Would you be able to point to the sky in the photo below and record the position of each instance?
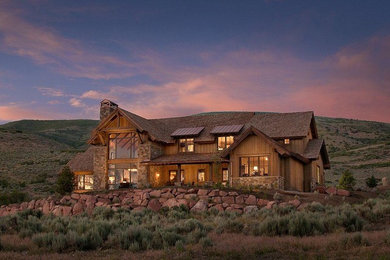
(59, 59)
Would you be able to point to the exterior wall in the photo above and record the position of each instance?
(100, 167)
(199, 148)
(316, 163)
(296, 173)
(146, 151)
(255, 146)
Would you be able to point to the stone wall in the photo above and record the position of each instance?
(154, 199)
(259, 181)
(99, 168)
(147, 151)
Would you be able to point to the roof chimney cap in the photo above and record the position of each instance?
(106, 108)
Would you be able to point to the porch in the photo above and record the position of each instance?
(187, 169)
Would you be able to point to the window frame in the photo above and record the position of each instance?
(187, 142)
(264, 167)
(318, 174)
(225, 138)
(175, 171)
(204, 175)
(133, 140)
(223, 179)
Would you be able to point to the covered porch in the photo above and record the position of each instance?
(188, 169)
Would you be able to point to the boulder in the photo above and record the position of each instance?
(232, 193)
(167, 195)
(166, 190)
(145, 196)
(251, 200)
(200, 206)
(78, 208)
(249, 209)
(228, 199)
(31, 204)
(342, 192)
(191, 203)
(66, 210)
(75, 196)
(181, 190)
(331, 190)
(46, 207)
(214, 193)
(385, 181)
(23, 206)
(154, 205)
(217, 207)
(190, 196)
(217, 200)
(262, 203)
(57, 211)
(295, 203)
(240, 199)
(202, 192)
(270, 204)
(222, 193)
(170, 203)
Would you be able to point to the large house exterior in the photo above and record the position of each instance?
(276, 150)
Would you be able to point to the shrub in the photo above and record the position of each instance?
(355, 240)
(13, 197)
(387, 238)
(371, 182)
(347, 181)
(65, 181)
(206, 242)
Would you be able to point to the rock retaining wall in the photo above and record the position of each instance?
(153, 199)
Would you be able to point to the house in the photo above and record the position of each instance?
(279, 150)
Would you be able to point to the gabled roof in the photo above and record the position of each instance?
(82, 162)
(314, 148)
(274, 125)
(278, 147)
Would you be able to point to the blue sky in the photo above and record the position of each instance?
(58, 59)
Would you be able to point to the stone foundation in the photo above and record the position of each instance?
(259, 181)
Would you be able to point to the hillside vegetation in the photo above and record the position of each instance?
(33, 151)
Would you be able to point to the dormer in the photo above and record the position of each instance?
(186, 138)
(225, 135)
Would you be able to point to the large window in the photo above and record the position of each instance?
(254, 166)
(318, 171)
(224, 142)
(84, 182)
(123, 146)
(186, 145)
(201, 175)
(172, 176)
(225, 175)
(122, 175)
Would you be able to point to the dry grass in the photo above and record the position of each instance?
(237, 246)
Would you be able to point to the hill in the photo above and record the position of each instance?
(33, 151)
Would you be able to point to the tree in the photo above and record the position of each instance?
(65, 181)
(372, 182)
(347, 181)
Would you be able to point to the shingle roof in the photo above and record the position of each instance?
(184, 158)
(313, 148)
(275, 125)
(82, 162)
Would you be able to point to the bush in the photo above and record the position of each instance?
(387, 238)
(347, 181)
(65, 181)
(206, 242)
(13, 197)
(371, 182)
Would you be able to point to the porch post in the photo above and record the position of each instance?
(210, 172)
(178, 175)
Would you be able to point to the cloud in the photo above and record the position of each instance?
(51, 92)
(46, 46)
(75, 102)
(351, 83)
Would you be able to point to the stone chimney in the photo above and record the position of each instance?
(106, 108)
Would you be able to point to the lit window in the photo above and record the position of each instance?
(201, 175)
(318, 170)
(254, 166)
(123, 146)
(225, 175)
(286, 141)
(122, 175)
(172, 176)
(186, 145)
(224, 142)
(84, 182)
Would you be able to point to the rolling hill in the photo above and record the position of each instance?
(33, 151)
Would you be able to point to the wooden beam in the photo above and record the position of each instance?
(101, 139)
(210, 172)
(120, 130)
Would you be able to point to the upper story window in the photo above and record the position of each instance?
(286, 141)
(254, 166)
(224, 142)
(123, 146)
(186, 145)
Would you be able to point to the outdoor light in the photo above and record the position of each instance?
(157, 174)
(255, 168)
